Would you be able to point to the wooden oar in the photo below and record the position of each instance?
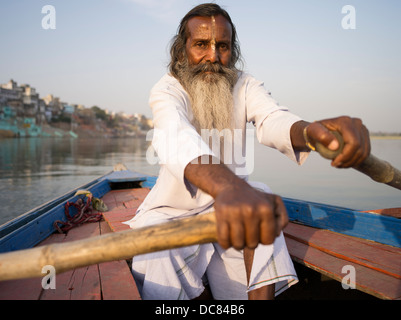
(109, 247)
(377, 169)
(126, 244)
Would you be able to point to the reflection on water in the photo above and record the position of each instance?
(36, 170)
(38, 156)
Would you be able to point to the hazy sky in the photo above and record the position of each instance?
(111, 52)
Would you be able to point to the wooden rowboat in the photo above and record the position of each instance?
(362, 247)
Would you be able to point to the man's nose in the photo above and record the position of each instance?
(212, 54)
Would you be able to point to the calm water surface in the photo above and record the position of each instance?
(36, 170)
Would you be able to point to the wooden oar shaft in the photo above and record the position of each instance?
(377, 169)
(381, 171)
(109, 247)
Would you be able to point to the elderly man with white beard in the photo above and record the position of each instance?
(206, 90)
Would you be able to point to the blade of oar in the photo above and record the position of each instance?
(377, 169)
(109, 247)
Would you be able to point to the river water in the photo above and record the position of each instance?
(36, 170)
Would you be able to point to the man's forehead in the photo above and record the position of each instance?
(209, 26)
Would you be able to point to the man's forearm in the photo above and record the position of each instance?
(212, 178)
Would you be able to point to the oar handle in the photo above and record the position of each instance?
(108, 247)
(331, 154)
(377, 169)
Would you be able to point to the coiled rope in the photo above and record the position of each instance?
(86, 213)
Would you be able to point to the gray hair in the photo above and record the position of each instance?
(177, 50)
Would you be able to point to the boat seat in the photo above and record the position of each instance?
(377, 266)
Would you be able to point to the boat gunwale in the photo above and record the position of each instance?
(375, 227)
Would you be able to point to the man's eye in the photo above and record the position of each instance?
(200, 44)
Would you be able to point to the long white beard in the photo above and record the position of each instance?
(212, 102)
(210, 94)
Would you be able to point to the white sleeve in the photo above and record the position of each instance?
(273, 122)
(175, 139)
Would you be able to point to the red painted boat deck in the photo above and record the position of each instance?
(122, 205)
(376, 267)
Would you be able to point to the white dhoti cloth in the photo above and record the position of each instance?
(179, 274)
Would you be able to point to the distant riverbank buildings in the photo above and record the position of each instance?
(23, 101)
(21, 106)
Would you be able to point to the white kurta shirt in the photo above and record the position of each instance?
(177, 143)
(178, 273)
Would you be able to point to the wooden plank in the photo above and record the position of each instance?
(110, 200)
(372, 255)
(116, 218)
(78, 284)
(368, 280)
(85, 284)
(24, 289)
(122, 206)
(27, 289)
(392, 212)
(107, 281)
(117, 281)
